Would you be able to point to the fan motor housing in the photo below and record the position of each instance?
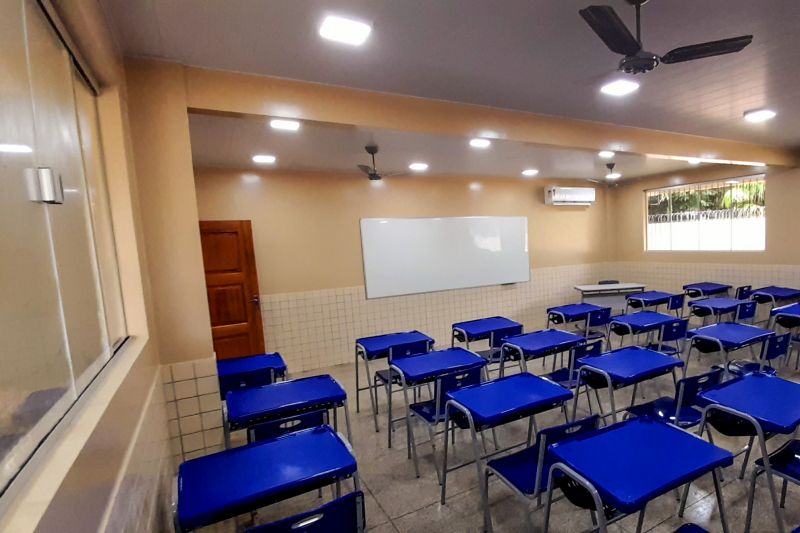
(638, 64)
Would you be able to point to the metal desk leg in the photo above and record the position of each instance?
(720, 501)
(411, 443)
(347, 422)
(390, 424)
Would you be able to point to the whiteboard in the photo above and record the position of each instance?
(414, 255)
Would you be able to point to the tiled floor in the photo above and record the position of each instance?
(396, 501)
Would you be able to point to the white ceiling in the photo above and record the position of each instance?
(230, 142)
(531, 55)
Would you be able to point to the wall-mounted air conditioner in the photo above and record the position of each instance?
(569, 196)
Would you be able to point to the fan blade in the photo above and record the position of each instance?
(390, 174)
(709, 49)
(610, 28)
(366, 170)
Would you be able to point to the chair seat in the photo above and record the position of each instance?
(664, 409)
(519, 469)
(785, 460)
(493, 355)
(740, 368)
(690, 528)
(562, 377)
(427, 411)
(385, 375)
(663, 348)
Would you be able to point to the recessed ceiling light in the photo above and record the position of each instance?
(530, 172)
(342, 30)
(693, 160)
(283, 124)
(475, 186)
(732, 182)
(759, 115)
(605, 154)
(267, 159)
(15, 148)
(613, 176)
(477, 142)
(418, 167)
(619, 87)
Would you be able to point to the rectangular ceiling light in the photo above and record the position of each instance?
(283, 124)
(344, 30)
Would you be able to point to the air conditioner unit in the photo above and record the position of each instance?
(569, 196)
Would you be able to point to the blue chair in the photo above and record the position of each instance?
(674, 331)
(276, 428)
(701, 312)
(785, 464)
(342, 515)
(387, 375)
(680, 410)
(432, 411)
(744, 292)
(676, 303)
(526, 471)
(690, 528)
(496, 338)
(746, 312)
(568, 377)
(773, 348)
(790, 323)
(597, 319)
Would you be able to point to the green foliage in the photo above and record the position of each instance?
(717, 197)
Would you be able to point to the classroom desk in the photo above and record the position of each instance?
(771, 404)
(705, 289)
(564, 314)
(608, 295)
(231, 482)
(626, 465)
(788, 310)
(249, 407)
(729, 337)
(494, 403)
(494, 329)
(537, 344)
(718, 306)
(380, 347)
(250, 371)
(640, 322)
(621, 368)
(774, 295)
(426, 368)
(643, 300)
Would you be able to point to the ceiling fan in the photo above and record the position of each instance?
(609, 27)
(372, 171)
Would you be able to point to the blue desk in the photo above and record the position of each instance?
(626, 465)
(639, 323)
(728, 337)
(621, 368)
(494, 329)
(426, 368)
(774, 295)
(648, 299)
(537, 344)
(249, 407)
(498, 402)
(705, 289)
(248, 372)
(718, 306)
(563, 314)
(381, 347)
(228, 483)
(789, 310)
(771, 404)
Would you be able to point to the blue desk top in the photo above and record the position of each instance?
(719, 306)
(282, 399)
(791, 309)
(509, 398)
(235, 481)
(379, 345)
(633, 462)
(632, 364)
(544, 342)
(644, 321)
(429, 366)
(733, 336)
(779, 293)
(251, 363)
(707, 287)
(649, 298)
(482, 328)
(574, 312)
(774, 402)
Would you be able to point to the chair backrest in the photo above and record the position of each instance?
(776, 346)
(499, 336)
(676, 302)
(746, 311)
(408, 349)
(787, 321)
(590, 349)
(690, 388)
(744, 292)
(343, 515)
(276, 428)
(608, 282)
(555, 434)
(599, 317)
(675, 330)
(452, 382)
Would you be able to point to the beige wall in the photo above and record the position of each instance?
(306, 225)
(626, 218)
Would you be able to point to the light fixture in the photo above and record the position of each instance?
(266, 159)
(343, 30)
(710, 160)
(605, 154)
(619, 87)
(530, 172)
(759, 115)
(611, 174)
(478, 142)
(418, 167)
(475, 186)
(283, 124)
(15, 148)
(693, 160)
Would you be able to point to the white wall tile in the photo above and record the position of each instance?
(182, 371)
(185, 389)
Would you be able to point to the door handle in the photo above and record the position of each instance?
(255, 300)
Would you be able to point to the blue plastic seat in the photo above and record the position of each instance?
(342, 515)
(676, 303)
(746, 312)
(773, 348)
(690, 528)
(525, 471)
(790, 323)
(785, 464)
(388, 376)
(568, 377)
(494, 354)
(599, 318)
(680, 410)
(671, 332)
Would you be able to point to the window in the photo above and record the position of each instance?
(724, 215)
(61, 313)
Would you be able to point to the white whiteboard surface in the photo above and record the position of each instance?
(414, 255)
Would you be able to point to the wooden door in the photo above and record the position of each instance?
(232, 287)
